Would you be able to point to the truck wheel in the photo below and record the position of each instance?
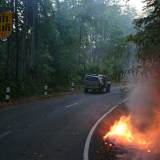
(101, 90)
(86, 90)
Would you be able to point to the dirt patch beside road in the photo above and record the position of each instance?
(97, 149)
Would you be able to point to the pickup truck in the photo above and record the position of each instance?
(98, 83)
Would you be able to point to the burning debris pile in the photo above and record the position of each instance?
(129, 143)
(122, 132)
(136, 136)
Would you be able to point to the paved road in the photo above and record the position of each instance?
(54, 129)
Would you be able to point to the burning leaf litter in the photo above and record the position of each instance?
(123, 132)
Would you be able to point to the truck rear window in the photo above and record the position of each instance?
(89, 78)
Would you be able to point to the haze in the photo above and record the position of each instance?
(138, 4)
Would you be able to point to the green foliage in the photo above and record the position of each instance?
(56, 42)
(148, 32)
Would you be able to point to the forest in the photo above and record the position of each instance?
(57, 42)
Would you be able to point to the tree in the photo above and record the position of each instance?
(148, 32)
(55, 42)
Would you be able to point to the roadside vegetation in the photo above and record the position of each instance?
(56, 42)
(147, 37)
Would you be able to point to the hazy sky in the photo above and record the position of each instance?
(138, 4)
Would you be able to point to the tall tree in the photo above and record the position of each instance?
(148, 32)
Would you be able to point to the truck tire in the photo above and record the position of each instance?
(86, 90)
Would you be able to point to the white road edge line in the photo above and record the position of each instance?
(5, 134)
(69, 106)
(88, 140)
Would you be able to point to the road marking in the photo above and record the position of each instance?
(69, 106)
(88, 140)
(5, 134)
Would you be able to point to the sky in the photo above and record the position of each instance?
(138, 4)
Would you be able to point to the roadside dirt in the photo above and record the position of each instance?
(97, 148)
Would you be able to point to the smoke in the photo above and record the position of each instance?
(140, 102)
(144, 106)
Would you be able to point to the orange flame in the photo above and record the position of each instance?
(123, 132)
(121, 129)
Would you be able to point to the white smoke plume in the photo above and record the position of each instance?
(144, 106)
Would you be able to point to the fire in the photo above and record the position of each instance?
(124, 133)
(121, 129)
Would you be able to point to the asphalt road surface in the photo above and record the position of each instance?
(53, 129)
